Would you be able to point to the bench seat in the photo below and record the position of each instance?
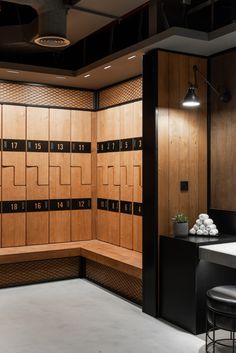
(123, 260)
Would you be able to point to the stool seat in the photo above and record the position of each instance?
(222, 299)
(221, 314)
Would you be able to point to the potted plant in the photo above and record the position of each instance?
(180, 225)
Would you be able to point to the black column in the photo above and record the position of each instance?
(150, 185)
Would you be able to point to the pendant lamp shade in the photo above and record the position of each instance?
(191, 99)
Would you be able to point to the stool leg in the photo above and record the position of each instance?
(214, 333)
(233, 335)
(206, 333)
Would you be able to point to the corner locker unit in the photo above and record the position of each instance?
(184, 280)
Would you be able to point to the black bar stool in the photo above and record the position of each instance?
(221, 314)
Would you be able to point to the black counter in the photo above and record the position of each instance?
(184, 280)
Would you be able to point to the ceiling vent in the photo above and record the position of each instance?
(52, 41)
(51, 22)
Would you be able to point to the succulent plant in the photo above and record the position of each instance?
(180, 218)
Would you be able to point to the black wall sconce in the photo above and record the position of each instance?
(191, 99)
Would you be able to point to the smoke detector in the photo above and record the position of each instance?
(52, 41)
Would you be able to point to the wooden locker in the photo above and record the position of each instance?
(13, 176)
(108, 130)
(108, 133)
(126, 209)
(137, 191)
(137, 210)
(59, 175)
(81, 164)
(37, 189)
(102, 208)
(0, 175)
(127, 178)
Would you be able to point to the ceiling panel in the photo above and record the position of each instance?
(81, 24)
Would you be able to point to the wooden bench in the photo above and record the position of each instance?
(123, 260)
(113, 267)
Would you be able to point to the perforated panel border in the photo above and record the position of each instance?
(45, 96)
(124, 92)
(118, 282)
(38, 271)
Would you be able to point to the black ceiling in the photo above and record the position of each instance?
(194, 14)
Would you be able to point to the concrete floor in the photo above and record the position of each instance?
(78, 317)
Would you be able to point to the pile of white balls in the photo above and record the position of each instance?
(204, 226)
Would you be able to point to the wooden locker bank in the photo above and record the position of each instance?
(71, 181)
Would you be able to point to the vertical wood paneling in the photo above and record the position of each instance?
(119, 175)
(138, 173)
(94, 173)
(59, 175)
(127, 175)
(37, 175)
(108, 186)
(223, 129)
(81, 220)
(13, 175)
(182, 141)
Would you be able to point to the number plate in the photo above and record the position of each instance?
(60, 146)
(14, 145)
(37, 146)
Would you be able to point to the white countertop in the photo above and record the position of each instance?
(222, 254)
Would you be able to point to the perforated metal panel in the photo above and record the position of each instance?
(38, 271)
(121, 93)
(121, 283)
(37, 95)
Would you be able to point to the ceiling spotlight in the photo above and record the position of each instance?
(191, 99)
(86, 76)
(52, 41)
(131, 57)
(107, 67)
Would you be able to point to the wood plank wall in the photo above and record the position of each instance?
(182, 140)
(119, 176)
(223, 130)
(39, 176)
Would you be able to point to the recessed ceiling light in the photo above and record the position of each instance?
(107, 67)
(61, 77)
(131, 57)
(12, 72)
(88, 75)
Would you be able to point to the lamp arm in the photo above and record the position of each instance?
(196, 69)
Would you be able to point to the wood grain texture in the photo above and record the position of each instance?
(59, 175)
(37, 176)
(182, 141)
(13, 175)
(108, 175)
(81, 178)
(119, 175)
(223, 128)
(94, 173)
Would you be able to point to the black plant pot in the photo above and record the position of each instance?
(180, 229)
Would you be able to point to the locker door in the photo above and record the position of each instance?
(1, 175)
(37, 189)
(127, 177)
(137, 193)
(108, 163)
(13, 176)
(81, 216)
(59, 175)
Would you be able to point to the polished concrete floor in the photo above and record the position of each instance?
(78, 317)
